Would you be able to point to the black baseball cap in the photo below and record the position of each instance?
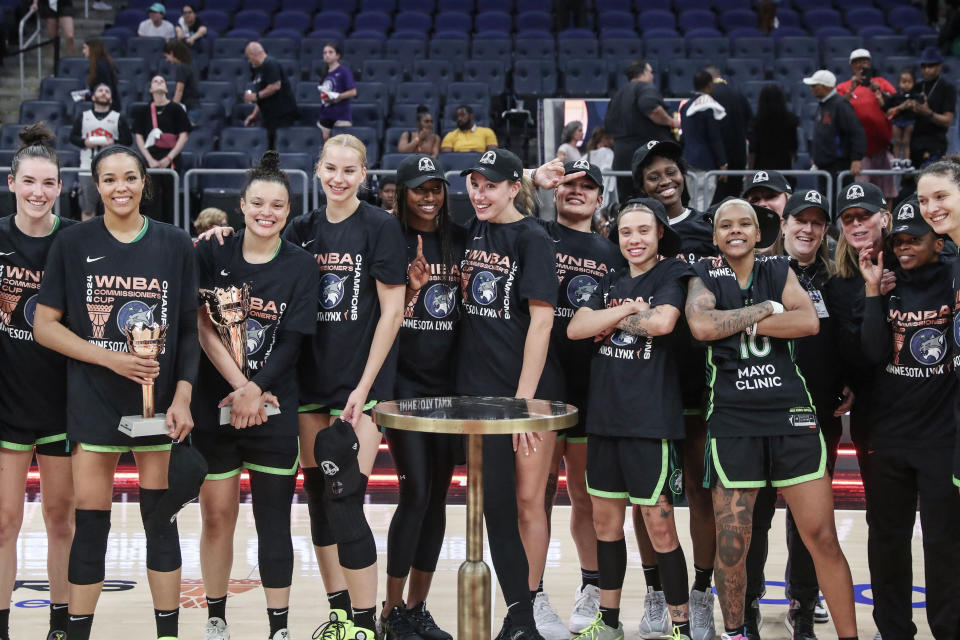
(767, 219)
(186, 472)
(418, 168)
(651, 149)
(670, 243)
(907, 219)
(592, 170)
(772, 180)
(862, 195)
(806, 199)
(497, 165)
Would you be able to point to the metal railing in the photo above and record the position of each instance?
(316, 188)
(35, 36)
(185, 221)
(786, 172)
(843, 175)
(86, 172)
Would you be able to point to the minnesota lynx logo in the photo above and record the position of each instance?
(490, 157)
(855, 191)
(426, 164)
(582, 163)
(331, 288)
(485, 287)
(440, 300)
(906, 212)
(580, 289)
(651, 144)
(760, 176)
(928, 346)
(255, 335)
(99, 314)
(814, 197)
(132, 313)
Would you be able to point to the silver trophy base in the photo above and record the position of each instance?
(138, 426)
(269, 409)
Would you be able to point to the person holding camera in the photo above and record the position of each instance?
(867, 93)
(934, 110)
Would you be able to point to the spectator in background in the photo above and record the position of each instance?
(271, 95)
(934, 109)
(599, 152)
(733, 132)
(867, 93)
(903, 118)
(773, 132)
(186, 91)
(336, 87)
(387, 190)
(102, 69)
(838, 141)
(424, 139)
(155, 26)
(468, 136)
(93, 130)
(58, 14)
(570, 137)
(209, 218)
(636, 114)
(190, 28)
(703, 148)
(161, 132)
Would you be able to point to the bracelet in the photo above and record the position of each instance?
(751, 331)
(777, 307)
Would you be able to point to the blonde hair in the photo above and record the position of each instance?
(526, 200)
(208, 218)
(735, 202)
(846, 261)
(345, 140)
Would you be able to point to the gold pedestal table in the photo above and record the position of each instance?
(474, 417)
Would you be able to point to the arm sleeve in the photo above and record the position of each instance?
(188, 342)
(538, 268)
(53, 291)
(389, 253)
(672, 289)
(348, 81)
(282, 361)
(597, 299)
(76, 133)
(272, 72)
(124, 136)
(876, 338)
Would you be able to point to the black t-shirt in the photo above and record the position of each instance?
(171, 118)
(818, 355)
(634, 390)
(755, 386)
(504, 266)
(429, 330)
(279, 104)
(353, 254)
(628, 113)
(696, 236)
(101, 285)
(191, 91)
(583, 258)
(941, 98)
(34, 378)
(282, 307)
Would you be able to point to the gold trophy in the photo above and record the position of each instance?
(145, 340)
(228, 309)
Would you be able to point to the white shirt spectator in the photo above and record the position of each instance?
(148, 30)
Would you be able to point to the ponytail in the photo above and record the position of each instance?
(526, 201)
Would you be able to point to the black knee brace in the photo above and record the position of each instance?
(335, 450)
(272, 495)
(89, 549)
(673, 575)
(314, 487)
(163, 539)
(355, 545)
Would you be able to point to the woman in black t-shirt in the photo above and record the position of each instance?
(282, 279)
(114, 272)
(33, 403)
(186, 90)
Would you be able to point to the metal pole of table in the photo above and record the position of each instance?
(473, 580)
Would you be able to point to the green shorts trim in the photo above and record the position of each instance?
(821, 470)
(322, 408)
(722, 476)
(693, 412)
(574, 439)
(109, 448)
(20, 446)
(726, 483)
(260, 468)
(956, 481)
(370, 405)
(60, 437)
(15, 446)
(310, 408)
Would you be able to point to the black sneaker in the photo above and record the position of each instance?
(510, 631)
(397, 626)
(799, 620)
(424, 624)
(752, 619)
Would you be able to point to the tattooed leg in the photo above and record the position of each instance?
(733, 511)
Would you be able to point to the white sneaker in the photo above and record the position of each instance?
(216, 629)
(820, 614)
(282, 634)
(586, 606)
(549, 624)
(701, 615)
(656, 618)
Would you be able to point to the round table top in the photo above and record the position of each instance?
(475, 415)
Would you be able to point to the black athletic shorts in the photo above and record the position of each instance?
(752, 462)
(227, 454)
(578, 432)
(635, 469)
(335, 413)
(65, 9)
(47, 443)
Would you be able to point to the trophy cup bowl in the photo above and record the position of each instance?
(146, 341)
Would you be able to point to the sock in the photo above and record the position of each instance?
(735, 632)
(278, 619)
(365, 618)
(341, 600)
(701, 578)
(4, 624)
(168, 623)
(78, 627)
(610, 616)
(217, 607)
(684, 627)
(850, 638)
(589, 576)
(521, 614)
(652, 577)
(540, 586)
(58, 616)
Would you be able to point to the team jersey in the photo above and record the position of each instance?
(282, 307)
(34, 380)
(504, 266)
(429, 330)
(755, 387)
(102, 285)
(696, 236)
(905, 332)
(634, 385)
(354, 254)
(583, 259)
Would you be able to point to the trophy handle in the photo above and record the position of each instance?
(148, 408)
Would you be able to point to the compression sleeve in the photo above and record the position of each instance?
(188, 347)
(282, 361)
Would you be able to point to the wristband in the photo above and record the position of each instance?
(751, 331)
(777, 307)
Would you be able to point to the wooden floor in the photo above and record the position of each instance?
(125, 609)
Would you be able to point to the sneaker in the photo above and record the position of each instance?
(656, 619)
(701, 615)
(820, 613)
(56, 634)
(511, 631)
(359, 633)
(282, 634)
(336, 627)
(752, 620)
(424, 624)
(549, 624)
(586, 606)
(675, 635)
(216, 629)
(727, 636)
(799, 621)
(596, 630)
(397, 626)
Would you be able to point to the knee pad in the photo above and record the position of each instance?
(346, 511)
(313, 486)
(358, 554)
(335, 451)
(89, 549)
(673, 576)
(163, 539)
(271, 513)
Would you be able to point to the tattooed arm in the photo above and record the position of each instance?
(708, 323)
(658, 321)
(799, 317)
(587, 322)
